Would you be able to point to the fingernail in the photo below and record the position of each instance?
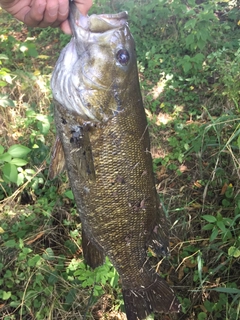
(63, 11)
(52, 12)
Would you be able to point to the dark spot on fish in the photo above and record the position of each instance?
(64, 121)
(136, 205)
(155, 230)
(101, 109)
(123, 57)
(88, 126)
(139, 205)
(142, 205)
(159, 249)
(120, 179)
(144, 173)
(77, 134)
(118, 101)
(88, 170)
(128, 239)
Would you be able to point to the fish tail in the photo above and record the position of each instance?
(158, 296)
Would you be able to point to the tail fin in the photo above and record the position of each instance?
(158, 297)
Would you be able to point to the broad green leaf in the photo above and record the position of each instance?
(221, 226)
(5, 157)
(20, 179)
(209, 218)
(3, 57)
(234, 252)
(30, 294)
(5, 76)
(10, 244)
(42, 117)
(201, 44)
(44, 123)
(14, 304)
(30, 171)
(6, 295)
(10, 172)
(208, 226)
(18, 162)
(26, 250)
(69, 194)
(53, 277)
(32, 52)
(227, 290)
(190, 24)
(186, 66)
(43, 127)
(202, 316)
(1, 149)
(214, 234)
(190, 39)
(18, 151)
(34, 261)
(198, 57)
(70, 297)
(3, 83)
(48, 254)
(5, 101)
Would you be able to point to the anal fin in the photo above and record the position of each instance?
(92, 255)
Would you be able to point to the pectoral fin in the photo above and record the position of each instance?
(57, 164)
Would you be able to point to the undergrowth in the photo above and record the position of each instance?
(188, 59)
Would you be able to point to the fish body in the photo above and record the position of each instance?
(103, 130)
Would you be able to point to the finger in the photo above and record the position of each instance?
(35, 14)
(50, 14)
(63, 9)
(65, 27)
(56, 12)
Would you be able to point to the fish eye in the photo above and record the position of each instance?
(123, 57)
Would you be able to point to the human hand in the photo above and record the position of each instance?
(44, 13)
(83, 6)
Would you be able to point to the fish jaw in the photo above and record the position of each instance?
(101, 46)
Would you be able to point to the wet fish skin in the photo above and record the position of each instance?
(102, 126)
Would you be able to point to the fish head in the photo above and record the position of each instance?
(95, 71)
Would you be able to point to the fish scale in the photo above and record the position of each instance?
(102, 127)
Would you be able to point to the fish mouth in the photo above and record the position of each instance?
(96, 23)
(75, 80)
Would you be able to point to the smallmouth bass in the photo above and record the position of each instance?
(102, 127)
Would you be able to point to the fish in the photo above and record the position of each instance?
(103, 132)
